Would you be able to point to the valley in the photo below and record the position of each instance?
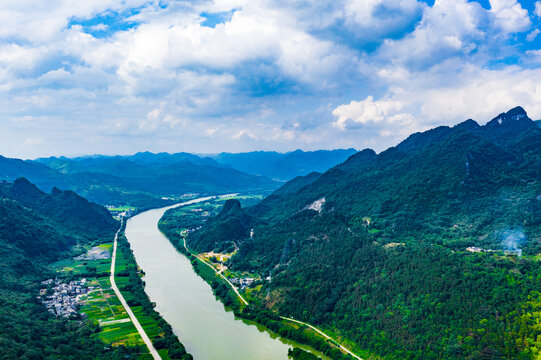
(270, 180)
(427, 250)
(186, 302)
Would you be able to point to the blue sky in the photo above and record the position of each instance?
(237, 75)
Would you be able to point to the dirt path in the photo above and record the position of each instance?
(282, 317)
(219, 273)
(322, 334)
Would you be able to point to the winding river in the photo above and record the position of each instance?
(186, 302)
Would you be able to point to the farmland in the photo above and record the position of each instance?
(103, 308)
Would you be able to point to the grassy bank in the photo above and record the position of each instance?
(174, 225)
(103, 309)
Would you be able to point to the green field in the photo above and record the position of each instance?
(84, 268)
(122, 208)
(102, 306)
(149, 324)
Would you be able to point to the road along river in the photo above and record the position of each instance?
(187, 303)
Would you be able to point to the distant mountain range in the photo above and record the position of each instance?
(284, 166)
(271, 164)
(145, 179)
(117, 180)
(398, 251)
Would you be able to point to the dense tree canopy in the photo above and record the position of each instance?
(379, 248)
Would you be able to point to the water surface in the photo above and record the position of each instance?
(186, 302)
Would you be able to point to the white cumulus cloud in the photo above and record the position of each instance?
(368, 111)
(511, 16)
(537, 10)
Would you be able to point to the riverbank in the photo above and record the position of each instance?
(297, 336)
(307, 336)
(133, 318)
(227, 293)
(183, 299)
(108, 313)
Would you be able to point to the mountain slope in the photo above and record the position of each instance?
(36, 229)
(374, 249)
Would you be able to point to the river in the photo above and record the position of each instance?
(187, 303)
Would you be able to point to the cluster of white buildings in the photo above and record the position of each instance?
(242, 282)
(63, 298)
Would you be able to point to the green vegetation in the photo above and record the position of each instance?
(220, 287)
(223, 291)
(102, 307)
(104, 310)
(129, 282)
(183, 217)
(142, 181)
(375, 250)
(32, 236)
(121, 208)
(178, 219)
(300, 354)
(38, 229)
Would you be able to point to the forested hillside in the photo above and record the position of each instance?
(143, 180)
(35, 230)
(428, 250)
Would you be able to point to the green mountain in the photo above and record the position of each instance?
(78, 164)
(36, 229)
(402, 253)
(270, 164)
(166, 158)
(146, 180)
(284, 166)
(166, 179)
(229, 227)
(141, 182)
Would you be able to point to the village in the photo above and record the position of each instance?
(243, 283)
(62, 299)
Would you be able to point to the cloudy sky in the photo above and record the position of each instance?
(121, 76)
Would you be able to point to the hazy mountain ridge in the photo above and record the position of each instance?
(284, 166)
(143, 179)
(119, 180)
(271, 164)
